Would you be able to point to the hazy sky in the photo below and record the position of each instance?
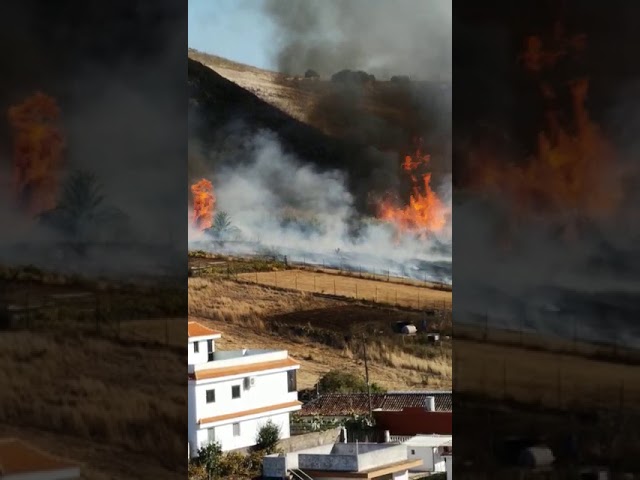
(234, 29)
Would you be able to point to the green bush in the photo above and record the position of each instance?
(268, 437)
(338, 381)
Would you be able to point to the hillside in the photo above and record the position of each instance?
(360, 130)
(322, 333)
(384, 114)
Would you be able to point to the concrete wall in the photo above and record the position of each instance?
(248, 431)
(277, 466)
(297, 443)
(350, 457)
(335, 463)
(384, 456)
(269, 389)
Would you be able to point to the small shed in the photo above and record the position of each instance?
(431, 449)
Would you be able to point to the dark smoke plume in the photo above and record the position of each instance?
(405, 37)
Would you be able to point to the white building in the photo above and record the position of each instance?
(22, 461)
(234, 393)
(432, 450)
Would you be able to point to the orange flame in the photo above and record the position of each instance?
(571, 170)
(425, 212)
(204, 201)
(38, 151)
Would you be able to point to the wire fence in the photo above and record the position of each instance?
(99, 313)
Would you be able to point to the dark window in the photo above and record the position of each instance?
(235, 391)
(211, 396)
(291, 381)
(413, 452)
(196, 347)
(210, 350)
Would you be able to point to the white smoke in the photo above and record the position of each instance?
(258, 191)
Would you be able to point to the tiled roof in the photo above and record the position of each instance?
(196, 329)
(341, 404)
(18, 457)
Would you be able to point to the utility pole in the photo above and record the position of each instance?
(366, 374)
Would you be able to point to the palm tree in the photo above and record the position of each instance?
(81, 214)
(222, 228)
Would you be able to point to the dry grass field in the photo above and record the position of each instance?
(82, 365)
(322, 333)
(377, 291)
(544, 378)
(67, 393)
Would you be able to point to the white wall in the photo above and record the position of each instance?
(236, 359)
(200, 357)
(425, 454)
(401, 475)
(269, 388)
(248, 431)
(449, 466)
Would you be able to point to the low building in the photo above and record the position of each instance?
(232, 394)
(342, 461)
(340, 406)
(20, 460)
(412, 421)
(431, 449)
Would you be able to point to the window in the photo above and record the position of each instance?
(211, 396)
(235, 391)
(413, 452)
(236, 429)
(210, 350)
(211, 435)
(291, 381)
(196, 347)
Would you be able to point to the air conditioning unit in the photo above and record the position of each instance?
(249, 382)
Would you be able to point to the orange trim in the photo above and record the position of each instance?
(376, 472)
(18, 457)
(196, 329)
(242, 369)
(246, 413)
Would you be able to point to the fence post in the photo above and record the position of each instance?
(356, 291)
(296, 281)
(334, 286)
(376, 294)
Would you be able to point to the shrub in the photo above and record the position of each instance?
(311, 74)
(210, 458)
(338, 381)
(268, 437)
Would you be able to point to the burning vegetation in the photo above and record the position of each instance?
(571, 168)
(38, 150)
(204, 202)
(425, 212)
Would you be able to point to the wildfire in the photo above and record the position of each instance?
(425, 212)
(571, 169)
(38, 151)
(204, 202)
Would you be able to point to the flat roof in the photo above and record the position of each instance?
(19, 457)
(196, 329)
(371, 473)
(245, 369)
(430, 441)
